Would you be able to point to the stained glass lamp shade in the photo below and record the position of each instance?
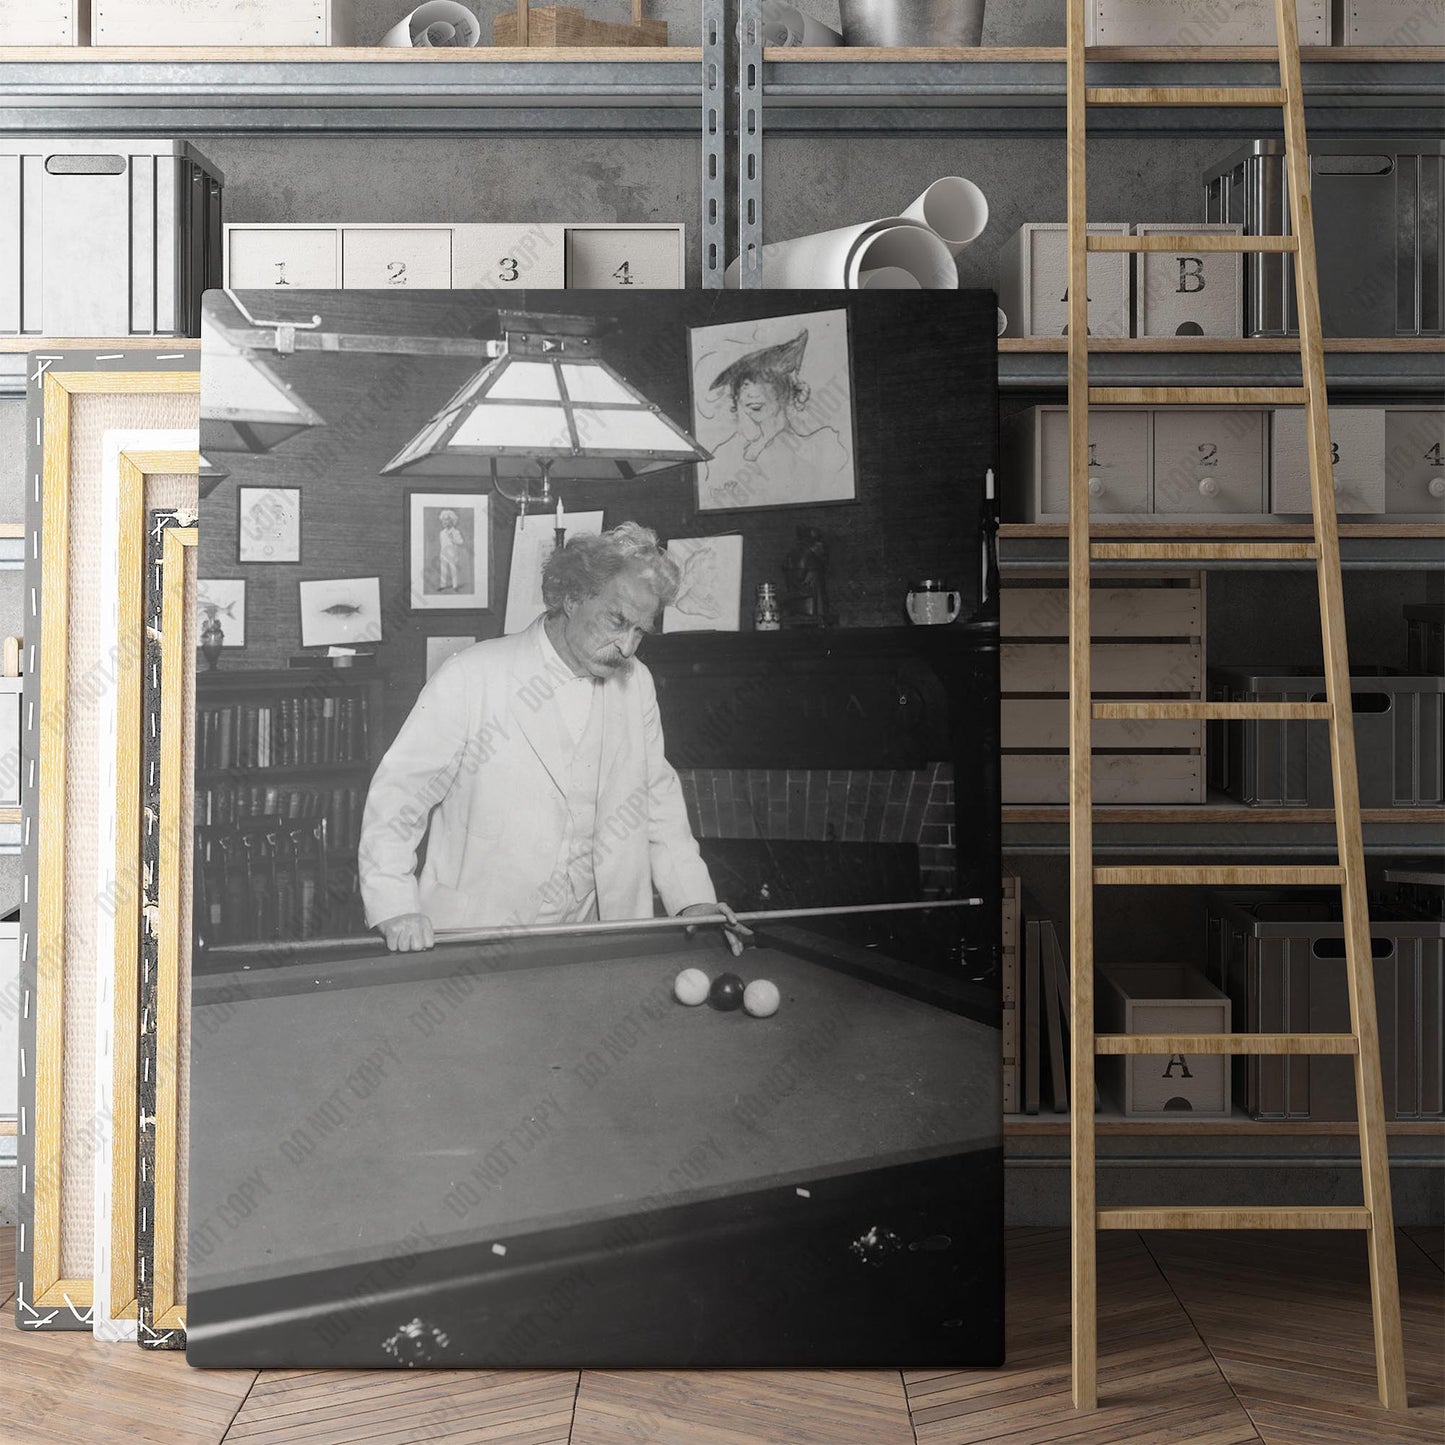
(547, 409)
(245, 405)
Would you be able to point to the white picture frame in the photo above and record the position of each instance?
(340, 611)
(268, 524)
(710, 596)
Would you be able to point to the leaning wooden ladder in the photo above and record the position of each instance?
(1375, 1218)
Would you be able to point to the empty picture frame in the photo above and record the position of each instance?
(140, 470)
(165, 932)
(75, 398)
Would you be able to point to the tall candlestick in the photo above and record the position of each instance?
(559, 528)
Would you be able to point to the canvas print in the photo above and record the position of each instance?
(709, 593)
(604, 994)
(340, 611)
(449, 535)
(268, 525)
(772, 401)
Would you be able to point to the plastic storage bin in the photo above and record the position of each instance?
(1280, 958)
(1377, 211)
(1398, 739)
(106, 237)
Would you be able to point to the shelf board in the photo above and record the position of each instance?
(283, 772)
(1402, 365)
(1023, 1126)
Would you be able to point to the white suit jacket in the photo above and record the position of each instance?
(478, 770)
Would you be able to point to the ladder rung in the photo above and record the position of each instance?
(1225, 876)
(1185, 95)
(1205, 551)
(1158, 711)
(1198, 395)
(1187, 241)
(1226, 1044)
(1223, 1217)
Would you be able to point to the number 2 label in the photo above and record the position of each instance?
(396, 273)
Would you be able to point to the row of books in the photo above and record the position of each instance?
(231, 803)
(1035, 981)
(287, 732)
(254, 903)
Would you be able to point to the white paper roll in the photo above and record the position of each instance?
(1002, 321)
(785, 24)
(953, 208)
(835, 260)
(438, 25)
(888, 278)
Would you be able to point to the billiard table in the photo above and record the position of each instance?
(525, 1152)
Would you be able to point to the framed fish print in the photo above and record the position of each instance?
(772, 401)
(338, 611)
(75, 400)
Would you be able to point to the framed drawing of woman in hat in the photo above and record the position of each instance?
(772, 401)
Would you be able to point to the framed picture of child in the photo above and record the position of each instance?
(772, 401)
(448, 549)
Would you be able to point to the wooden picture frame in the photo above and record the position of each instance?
(74, 398)
(164, 934)
(427, 589)
(268, 528)
(142, 468)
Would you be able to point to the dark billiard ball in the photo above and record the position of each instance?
(726, 992)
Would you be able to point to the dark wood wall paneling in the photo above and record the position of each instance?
(925, 421)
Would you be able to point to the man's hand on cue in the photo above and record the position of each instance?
(408, 933)
(735, 932)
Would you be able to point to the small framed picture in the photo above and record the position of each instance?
(336, 611)
(448, 547)
(268, 524)
(221, 604)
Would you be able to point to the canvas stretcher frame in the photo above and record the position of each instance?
(48, 1295)
(132, 460)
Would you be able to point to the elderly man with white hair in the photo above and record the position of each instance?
(533, 766)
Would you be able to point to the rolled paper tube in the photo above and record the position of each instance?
(954, 209)
(906, 246)
(786, 25)
(1002, 321)
(888, 278)
(438, 25)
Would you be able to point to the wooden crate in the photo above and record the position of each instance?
(1148, 643)
(55, 22)
(554, 26)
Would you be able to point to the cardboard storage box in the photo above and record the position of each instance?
(1033, 281)
(1154, 998)
(1378, 222)
(1399, 739)
(221, 22)
(1189, 293)
(1357, 451)
(106, 237)
(1280, 957)
(1209, 462)
(1036, 447)
(1415, 461)
(1389, 22)
(1188, 22)
(44, 22)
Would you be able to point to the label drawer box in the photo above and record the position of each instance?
(378, 258)
(509, 256)
(1357, 452)
(1208, 463)
(43, 22)
(1152, 998)
(1188, 22)
(283, 257)
(1034, 282)
(1038, 444)
(106, 237)
(600, 257)
(221, 22)
(1189, 293)
(1415, 460)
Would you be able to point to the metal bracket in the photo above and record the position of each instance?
(714, 143)
(750, 144)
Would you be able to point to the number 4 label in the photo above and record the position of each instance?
(623, 274)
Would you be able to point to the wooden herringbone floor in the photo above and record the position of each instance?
(1204, 1340)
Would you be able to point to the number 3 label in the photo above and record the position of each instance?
(510, 270)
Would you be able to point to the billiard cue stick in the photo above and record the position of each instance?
(299, 947)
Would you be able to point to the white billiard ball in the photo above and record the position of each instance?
(691, 986)
(761, 998)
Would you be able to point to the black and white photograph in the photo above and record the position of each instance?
(615, 981)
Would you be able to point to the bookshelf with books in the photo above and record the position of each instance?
(283, 762)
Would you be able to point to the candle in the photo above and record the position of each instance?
(561, 515)
(559, 527)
